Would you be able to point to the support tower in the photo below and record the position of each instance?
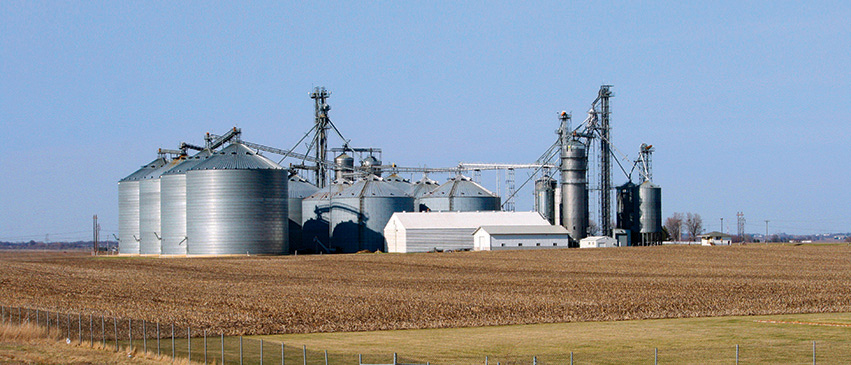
(321, 108)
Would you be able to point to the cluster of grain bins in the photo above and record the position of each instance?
(226, 202)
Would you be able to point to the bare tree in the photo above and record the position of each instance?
(593, 228)
(694, 225)
(674, 225)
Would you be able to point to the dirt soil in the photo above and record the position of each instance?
(360, 292)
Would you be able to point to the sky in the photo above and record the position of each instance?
(747, 103)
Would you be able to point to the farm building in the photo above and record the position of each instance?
(429, 231)
(715, 238)
(598, 241)
(492, 238)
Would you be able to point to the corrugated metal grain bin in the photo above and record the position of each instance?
(420, 189)
(128, 208)
(360, 212)
(299, 189)
(150, 210)
(460, 194)
(173, 203)
(316, 217)
(236, 203)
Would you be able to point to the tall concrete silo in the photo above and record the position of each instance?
(173, 203)
(128, 208)
(574, 189)
(299, 189)
(460, 194)
(545, 197)
(236, 204)
(360, 212)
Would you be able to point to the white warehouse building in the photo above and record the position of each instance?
(430, 231)
(493, 238)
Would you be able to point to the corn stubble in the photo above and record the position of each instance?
(264, 295)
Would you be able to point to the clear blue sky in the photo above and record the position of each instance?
(747, 103)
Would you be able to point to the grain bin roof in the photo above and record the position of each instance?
(518, 230)
(300, 188)
(189, 163)
(370, 186)
(145, 169)
(459, 186)
(470, 220)
(236, 157)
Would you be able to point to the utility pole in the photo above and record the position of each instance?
(95, 234)
(321, 108)
(722, 224)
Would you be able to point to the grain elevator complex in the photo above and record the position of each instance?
(226, 197)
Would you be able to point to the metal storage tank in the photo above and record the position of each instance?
(236, 203)
(128, 208)
(628, 211)
(574, 189)
(460, 194)
(545, 197)
(344, 166)
(299, 189)
(370, 165)
(150, 210)
(315, 218)
(651, 213)
(360, 212)
(173, 203)
(420, 189)
(398, 182)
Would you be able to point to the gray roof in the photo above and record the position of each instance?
(237, 157)
(300, 188)
(518, 230)
(423, 187)
(156, 173)
(467, 220)
(715, 234)
(145, 169)
(459, 186)
(334, 188)
(189, 163)
(370, 186)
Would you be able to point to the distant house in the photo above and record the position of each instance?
(493, 238)
(598, 241)
(715, 238)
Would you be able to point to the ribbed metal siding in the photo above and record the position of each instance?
(460, 194)
(651, 208)
(359, 214)
(574, 189)
(545, 197)
(315, 217)
(149, 216)
(128, 217)
(299, 189)
(424, 240)
(173, 203)
(421, 189)
(232, 212)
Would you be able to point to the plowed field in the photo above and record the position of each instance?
(299, 294)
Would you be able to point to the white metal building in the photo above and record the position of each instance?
(428, 231)
(598, 241)
(715, 238)
(492, 238)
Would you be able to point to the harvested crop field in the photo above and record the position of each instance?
(299, 294)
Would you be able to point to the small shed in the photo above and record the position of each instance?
(598, 241)
(492, 238)
(432, 231)
(715, 238)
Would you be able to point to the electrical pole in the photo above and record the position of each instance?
(766, 230)
(95, 234)
(722, 224)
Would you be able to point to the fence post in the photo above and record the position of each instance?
(360, 359)
(189, 342)
(282, 353)
(103, 331)
(571, 358)
(205, 347)
(737, 354)
(172, 342)
(2, 314)
(92, 331)
(486, 360)
(304, 353)
(46, 316)
(36, 317)
(158, 338)
(394, 358)
(144, 336)
(115, 327)
(80, 328)
(326, 357)
(534, 360)
(814, 353)
(240, 350)
(70, 335)
(223, 348)
(655, 355)
(130, 332)
(261, 351)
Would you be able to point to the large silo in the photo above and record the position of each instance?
(150, 210)
(398, 182)
(628, 210)
(315, 218)
(545, 197)
(460, 194)
(651, 213)
(360, 212)
(128, 208)
(420, 189)
(299, 189)
(173, 203)
(574, 189)
(236, 203)
(371, 165)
